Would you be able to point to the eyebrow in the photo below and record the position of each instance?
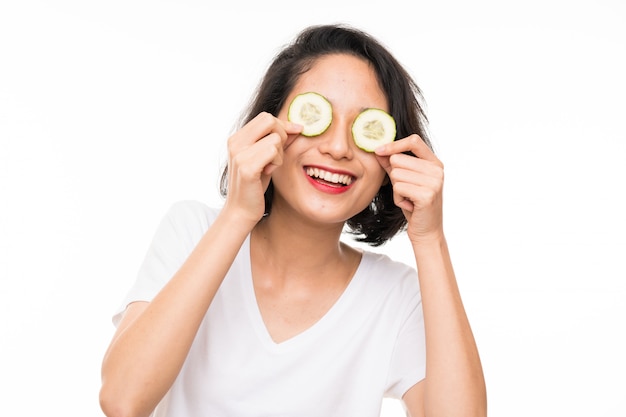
(361, 109)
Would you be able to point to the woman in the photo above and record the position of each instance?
(259, 309)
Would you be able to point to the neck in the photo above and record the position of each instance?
(294, 244)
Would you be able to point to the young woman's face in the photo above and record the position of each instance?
(327, 177)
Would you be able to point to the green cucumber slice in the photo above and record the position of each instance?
(312, 111)
(373, 128)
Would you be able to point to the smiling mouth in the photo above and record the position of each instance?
(330, 178)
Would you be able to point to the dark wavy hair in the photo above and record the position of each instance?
(382, 219)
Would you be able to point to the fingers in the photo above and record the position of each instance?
(417, 178)
(419, 174)
(394, 156)
(263, 125)
(413, 144)
(261, 142)
(254, 152)
(259, 158)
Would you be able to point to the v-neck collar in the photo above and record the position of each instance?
(310, 334)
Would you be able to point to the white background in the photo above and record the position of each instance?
(111, 111)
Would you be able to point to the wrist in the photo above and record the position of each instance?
(426, 240)
(239, 218)
(236, 222)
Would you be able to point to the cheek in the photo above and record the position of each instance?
(377, 172)
(377, 177)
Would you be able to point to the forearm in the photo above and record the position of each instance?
(146, 356)
(454, 378)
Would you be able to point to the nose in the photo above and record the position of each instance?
(337, 141)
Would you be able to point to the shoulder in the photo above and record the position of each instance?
(184, 224)
(386, 292)
(192, 210)
(380, 263)
(386, 275)
(190, 215)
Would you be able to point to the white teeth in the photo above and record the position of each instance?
(329, 176)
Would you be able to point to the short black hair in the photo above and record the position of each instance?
(381, 219)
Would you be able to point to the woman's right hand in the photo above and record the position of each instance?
(254, 152)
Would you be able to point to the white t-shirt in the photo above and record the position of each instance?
(370, 343)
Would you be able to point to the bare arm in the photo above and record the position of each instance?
(153, 339)
(454, 384)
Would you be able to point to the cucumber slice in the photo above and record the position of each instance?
(372, 128)
(312, 111)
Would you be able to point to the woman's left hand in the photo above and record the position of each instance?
(417, 185)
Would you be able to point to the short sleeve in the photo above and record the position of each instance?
(176, 236)
(408, 361)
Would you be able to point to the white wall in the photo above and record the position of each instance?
(111, 111)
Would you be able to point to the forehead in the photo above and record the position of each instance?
(345, 80)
